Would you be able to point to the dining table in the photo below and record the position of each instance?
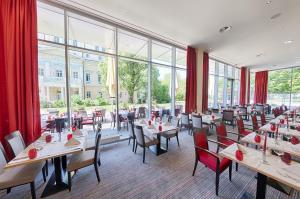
(152, 131)
(56, 150)
(282, 130)
(268, 166)
(273, 144)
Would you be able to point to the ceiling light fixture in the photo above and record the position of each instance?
(225, 29)
(259, 55)
(275, 16)
(288, 42)
(268, 2)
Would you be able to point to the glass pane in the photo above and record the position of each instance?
(161, 89)
(230, 72)
(161, 53)
(237, 73)
(236, 92)
(180, 58)
(52, 83)
(132, 45)
(221, 69)
(212, 66)
(295, 95)
(279, 87)
(90, 34)
(50, 23)
(220, 91)
(180, 88)
(252, 86)
(133, 84)
(211, 86)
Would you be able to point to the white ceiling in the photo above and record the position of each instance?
(197, 23)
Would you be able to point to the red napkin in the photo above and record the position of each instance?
(48, 138)
(286, 158)
(74, 128)
(69, 136)
(149, 122)
(273, 127)
(239, 155)
(32, 153)
(294, 140)
(298, 128)
(160, 128)
(257, 138)
(281, 121)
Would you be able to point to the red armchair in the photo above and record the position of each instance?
(242, 129)
(254, 123)
(223, 137)
(208, 158)
(263, 119)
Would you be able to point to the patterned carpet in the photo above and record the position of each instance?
(123, 175)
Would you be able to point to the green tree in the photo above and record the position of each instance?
(132, 77)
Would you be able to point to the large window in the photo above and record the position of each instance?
(284, 87)
(91, 66)
(223, 86)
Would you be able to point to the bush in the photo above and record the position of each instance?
(88, 102)
(58, 104)
(100, 101)
(44, 104)
(76, 100)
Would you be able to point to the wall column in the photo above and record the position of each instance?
(199, 79)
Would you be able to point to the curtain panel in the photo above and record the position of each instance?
(19, 102)
(243, 86)
(205, 82)
(261, 87)
(191, 81)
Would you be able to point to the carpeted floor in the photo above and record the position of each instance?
(123, 175)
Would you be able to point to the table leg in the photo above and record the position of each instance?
(57, 180)
(261, 186)
(158, 150)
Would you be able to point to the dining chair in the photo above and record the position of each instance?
(243, 129)
(17, 145)
(142, 112)
(91, 142)
(215, 110)
(85, 159)
(259, 109)
(228, 117)
(131, 134)
(197, 122)
(254, 122)
(174, 133)
(210, 159)
(263, 119)
(19, 175)
(185, 122)
(113, 120)
(222, 136)
(243, 112)
(143, 140)
(88, 120)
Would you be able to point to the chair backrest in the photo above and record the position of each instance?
(131, 129)
(215, 110)
(3, 158)
(131, 116)
(240, 124)
(139, 134)
(97, 148)
(197, 121)
(254, 122)
(200, 138)
(142, 112)
(221, 131)
(243, 110)
(83, 113)
(185, 120)
(103, 111)
(59, 124)
(228, 115)
(259, 108)
(15, 142)
(174, 121)
(263, 119)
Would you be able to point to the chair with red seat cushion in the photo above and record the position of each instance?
(209, 158)
(263, 119)
(254, 123)
(223, 137)
(241, 128)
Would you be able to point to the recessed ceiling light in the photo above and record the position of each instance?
(225, 29)
(276, 16)
(268, 2)
(259, 55)
(288, 42)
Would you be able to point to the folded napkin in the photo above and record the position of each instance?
(72, 142)
(241, 148)
(151, 126)
(77, 132)
(44, 135)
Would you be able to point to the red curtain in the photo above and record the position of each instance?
(243, 86)
(248, 91)
(205, 82)
(191, 81)
(261, 87)
(19, 101)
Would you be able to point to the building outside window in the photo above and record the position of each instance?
(88, 94)
(88, 78)
(41, 72)
(59, 73)
(75, 75)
